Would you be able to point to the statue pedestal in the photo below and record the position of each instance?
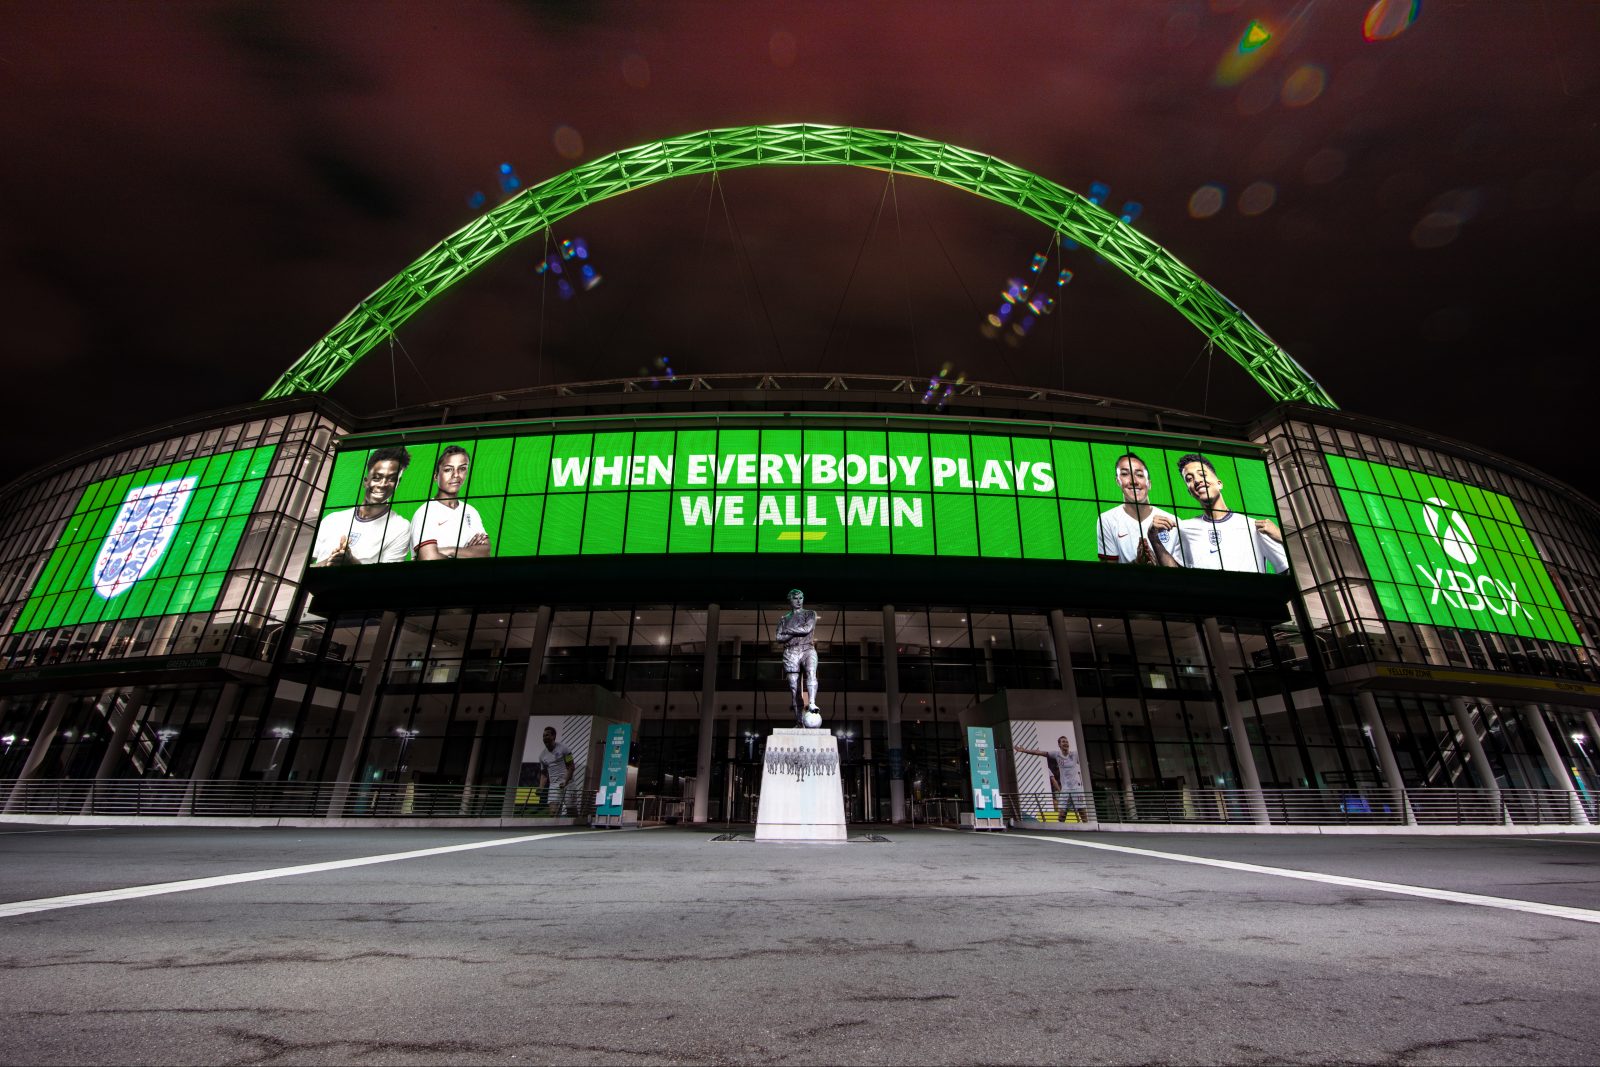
(802, 797)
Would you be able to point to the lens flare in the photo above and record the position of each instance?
(568, 142)
(1206, 201)
(1388, 19)
(1243, 59)
(1304, 85)
(1257, 198)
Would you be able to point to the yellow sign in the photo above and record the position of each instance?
(1428, 674)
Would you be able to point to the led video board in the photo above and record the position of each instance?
(1445, 553)
(809, 486)
(154, 542)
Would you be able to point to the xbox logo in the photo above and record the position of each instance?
(1450, 530)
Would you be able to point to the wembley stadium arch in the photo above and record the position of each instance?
(296, 611)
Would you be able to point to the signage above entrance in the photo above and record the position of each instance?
(813, 484)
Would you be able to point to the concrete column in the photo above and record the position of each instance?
(1069, 698)
(1594, 733)
(536, 651)
(891, 694)
(1553, 762)
(1480, 759)
(1380, 741)
(708, 716)
(361, 720)
(46, 737)
(116, 748)
(1220, 653)
(470, 782)
(1125, 772)
(121, 727)
(41, 746)
(205, 764)
(211, 745)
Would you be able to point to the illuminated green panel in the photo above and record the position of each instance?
(997, 526)
(153, 542)
(533, 211)
(648, 516)
(563, 525)
(910, 538)
(1445, 553)
(1041, 528)
(530, 469)
(790, 489)
(605, 523)
(955, 524)
(519, 532)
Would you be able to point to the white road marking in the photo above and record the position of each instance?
(78, 900)
(1583, 915)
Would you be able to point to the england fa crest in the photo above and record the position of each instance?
(141, 534)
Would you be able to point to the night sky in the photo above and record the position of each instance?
(193, 194)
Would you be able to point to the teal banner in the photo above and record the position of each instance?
(986, 802)
(614, 770)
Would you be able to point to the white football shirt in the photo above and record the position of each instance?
(446, 526)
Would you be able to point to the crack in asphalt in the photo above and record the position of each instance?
(177, 963)
(273, 1047)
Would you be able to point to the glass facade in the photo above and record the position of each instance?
(1354, 618)
(1148, 689)
(1345, 691)
(223, 577)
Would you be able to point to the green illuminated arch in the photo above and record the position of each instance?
(537, 207)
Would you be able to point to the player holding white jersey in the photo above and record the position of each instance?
(1125, 530)
(1219, 539)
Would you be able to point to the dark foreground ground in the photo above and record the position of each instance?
(669, 946)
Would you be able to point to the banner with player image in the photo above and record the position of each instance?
(1187, 508)
(804, 487)
(1052, 784)
(555, 763)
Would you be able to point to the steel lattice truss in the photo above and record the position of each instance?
(539, 206)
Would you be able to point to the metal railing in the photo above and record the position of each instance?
(1363, 805)
(236, 799)
(1353, 806)
(934, 811)
(669, 811)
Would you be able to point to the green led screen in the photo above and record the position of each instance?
(797, 488)
(154, 542)
(1444, 553)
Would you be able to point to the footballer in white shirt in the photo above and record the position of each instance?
(447, 527)
(371, 532)
(1125, 530)
(1219, 539)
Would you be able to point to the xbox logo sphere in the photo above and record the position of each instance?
(812, 720)
(1452, 532)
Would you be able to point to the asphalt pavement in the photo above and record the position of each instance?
(671, 946)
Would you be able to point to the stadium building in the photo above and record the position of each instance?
(291, 610)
